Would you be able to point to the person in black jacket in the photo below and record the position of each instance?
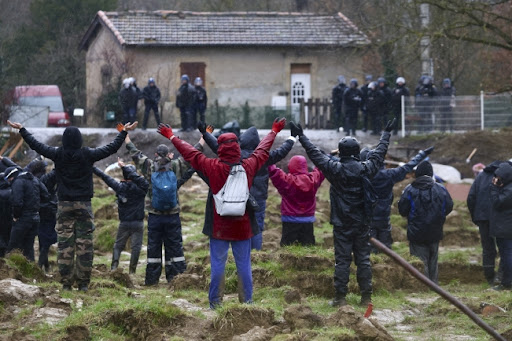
(501, 220)
(383, 183)
(201, 99)
(5, 214)
(128, 98)
(479, 205)
(426, 204)
(249, 140)
(27, 193)
(396, 99)
(425, 103)
(151, 95)
(364, 109)
(186, 99)
(352, 99)
(375, 104)
(350, 207)
(446, 105)
(382, 84)
(75, 225)
(337, 102)
(131, 195)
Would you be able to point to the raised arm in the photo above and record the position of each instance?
(39, 147)
(376, 159)
(210, 140)
(49, 179)
(111, 182)
(281, 152)
(399, 173)
(8, 162)
(101, 153)
(278, 178)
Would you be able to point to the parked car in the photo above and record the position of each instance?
(43, 96)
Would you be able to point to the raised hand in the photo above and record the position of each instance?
(296, 129)
(278, 124)
(429, 150)
(130, 126)
(210, 128)
(165, 130)
(120, 162)
(390, 126)
(15, 125)
(201, 126)
(120, 127)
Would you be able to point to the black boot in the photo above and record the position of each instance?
(115, 259)
(365, 299)
(338, 301)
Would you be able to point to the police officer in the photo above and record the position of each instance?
(352, 99)
(337, 102)
(425, 103)
(447, 104)
(364, 90)
(186, 102)
(201, 99)
(151, 95)
(396, 99)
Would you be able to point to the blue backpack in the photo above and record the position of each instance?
(164, 186)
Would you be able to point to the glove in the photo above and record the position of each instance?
(120, 127)
(165, 130)
(390, 125)
(278, 124)
(296, 129)
(429, 150)
(201, 126)
(210, 128)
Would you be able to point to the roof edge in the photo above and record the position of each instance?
(102, 19)
(166, 13)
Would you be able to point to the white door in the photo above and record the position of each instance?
(301, 88)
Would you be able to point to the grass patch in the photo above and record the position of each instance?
(105, 235)
(25, 267)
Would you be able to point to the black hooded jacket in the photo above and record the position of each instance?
(426, 204)
(73, 163)
(5, 202)
(479, 198)
(500, 221)
(27, 194)
(346, 175)
(48, 209)
(396, 97)
(352, 99)
(151, 95)
(131, 194)
(249, 140)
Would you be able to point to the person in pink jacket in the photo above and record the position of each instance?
(298, 191)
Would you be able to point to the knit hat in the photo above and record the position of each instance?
(162, 150)
(424, 168)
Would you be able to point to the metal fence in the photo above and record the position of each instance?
(455, 114)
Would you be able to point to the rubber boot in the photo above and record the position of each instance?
(365, 300)
(115, 259)
(338, 301)
(133, 266)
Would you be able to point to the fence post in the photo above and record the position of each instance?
(402, 99)
(482, 125)
(302, 115)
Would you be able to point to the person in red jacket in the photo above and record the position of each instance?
(298, 191)
(227, 230)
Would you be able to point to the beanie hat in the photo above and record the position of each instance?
(424, 168)
(72, 138)
(162, 150)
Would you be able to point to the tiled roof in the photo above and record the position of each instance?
(172, 28)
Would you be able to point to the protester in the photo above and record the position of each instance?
(479, 205)
(164, 224)
(396, 100)
(351, 207)
(249, 140)
(446, 105)
(151, 95)
(75, 225)
(131, 193)
(383, 183)
(298, 191)
(27, 193)
(5, 205)
(426, 204)
(352, 98)
(186, 99)
(337, 102)
(201, 99)
(500, 221)
(364, 91)
(228, 230)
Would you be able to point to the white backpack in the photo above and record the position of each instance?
(231, 200)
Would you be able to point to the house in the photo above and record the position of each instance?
(243, 57)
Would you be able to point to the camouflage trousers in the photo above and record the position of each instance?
(74, 228)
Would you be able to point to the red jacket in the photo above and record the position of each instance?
(298, 188)
(217, 171)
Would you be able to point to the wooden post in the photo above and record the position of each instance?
(15, 150)
(317, 113)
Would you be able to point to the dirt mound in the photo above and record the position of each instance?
(365, 329)
(300, 316)
(391, 277)
(508, 334)
(16, 266)
(264, 278)
(188, 282)
(305, 263)
(292, 296)
(239, 320)
(257, 334)
(7, 272)
(464, 273)
(77, 333)
(461, 237)
(122, 278)
(313, 284)
(271, 239)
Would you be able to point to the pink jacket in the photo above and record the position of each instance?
(298, 188)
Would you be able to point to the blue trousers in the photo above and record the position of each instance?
(505, 247)
(166, 230)
(218, 257)
(257, 240)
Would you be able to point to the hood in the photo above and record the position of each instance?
(423, 182)
(250, 139)
(38, 168)
(229, 149)
(504, 172)
(72, 138)
(12, 172)
(129, 172)
(298, 165)
(424, 168)
(493, 166)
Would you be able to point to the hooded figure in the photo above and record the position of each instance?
(479, 205)
(298, 191)
(426, 204)
(249, 140)
(226, 229)
(337, 102)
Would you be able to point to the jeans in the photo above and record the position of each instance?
(428, 254)
(354, 240)
(505, 247)
(149, 107)
(47, 236)
(135, 231)
(218, 257)
(166, 230)
(381, 230)
(129, 115)
(22, 237)
(257, 240)
(301, 233)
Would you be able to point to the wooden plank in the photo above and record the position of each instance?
(15, 150)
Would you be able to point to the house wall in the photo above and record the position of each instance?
(234, 75)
